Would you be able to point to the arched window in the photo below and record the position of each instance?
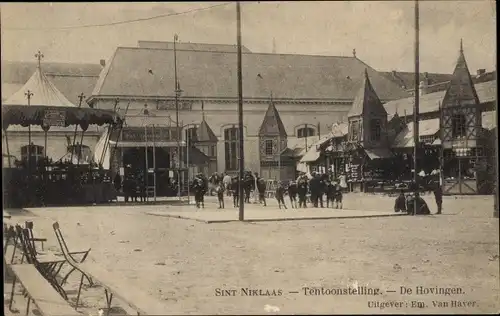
(231, 141)
(459, 125)
(305, 132)
(34, 151)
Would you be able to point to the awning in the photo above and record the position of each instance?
(196, 156)
(437, 141)
(378, 153)
(311, 155)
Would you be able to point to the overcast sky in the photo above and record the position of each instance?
(381, 32)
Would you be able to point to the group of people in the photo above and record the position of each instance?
(317, 186)
(414, 204)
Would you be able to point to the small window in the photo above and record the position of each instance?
(213, 151)
(34, 151)
(305, 132)
(376, 130)
(269, 147)
(354, 131)
(458, 125)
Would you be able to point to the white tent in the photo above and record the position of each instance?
(44, 93)
(99, 149)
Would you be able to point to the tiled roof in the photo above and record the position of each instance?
(19, 72)
(425, 128)
(407, 79)
(367, 101)
(192, 46)
(272, 124)
(461, 89)
(213, 74)
(486, 91)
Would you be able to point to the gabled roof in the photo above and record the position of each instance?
(425, 128)
(213, 75)
(204, 133)
(192, 46)
(44, 93)
(407, 79)
(366, 101)
(461, 88)
(272, 124)
(486, 91)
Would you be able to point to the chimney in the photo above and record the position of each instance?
(481, 72)
(103, 63)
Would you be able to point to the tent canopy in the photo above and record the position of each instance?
(47, 106)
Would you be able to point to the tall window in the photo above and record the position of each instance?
(231, 148)
(305, 132)
(458, 125)
(375, 129)
(191, 135)
(36, 152)
(269, 147)
(354, 131)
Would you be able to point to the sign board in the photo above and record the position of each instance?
(141, 134)
(54, 118)
(354, 172)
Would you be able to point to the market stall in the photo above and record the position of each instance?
(37, 179)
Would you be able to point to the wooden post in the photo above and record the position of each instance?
(416, 106)
(240, 114)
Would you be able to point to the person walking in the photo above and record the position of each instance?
(227, 183)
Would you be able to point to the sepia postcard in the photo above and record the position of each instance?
(250, 158)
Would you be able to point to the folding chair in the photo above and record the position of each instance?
(29, 226)
(46, 269)
(69, 255)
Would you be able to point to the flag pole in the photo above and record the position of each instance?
(188, 142)
(154, 160)
(240, 115)
(416, 108)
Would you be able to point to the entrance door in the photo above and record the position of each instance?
(134, 161)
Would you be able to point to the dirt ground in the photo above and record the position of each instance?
(183, 262)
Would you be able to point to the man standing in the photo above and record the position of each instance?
(235, 186)
(302, 191)
(438, 195)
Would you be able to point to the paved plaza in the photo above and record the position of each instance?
(184, 263)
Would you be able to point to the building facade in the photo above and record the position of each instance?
(457, 135)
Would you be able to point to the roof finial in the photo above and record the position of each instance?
(354, 52)
(274, 45)
(461, 46)
(39, 56)
(271, 97)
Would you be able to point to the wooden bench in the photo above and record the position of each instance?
(126, 291)
(47, 300)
